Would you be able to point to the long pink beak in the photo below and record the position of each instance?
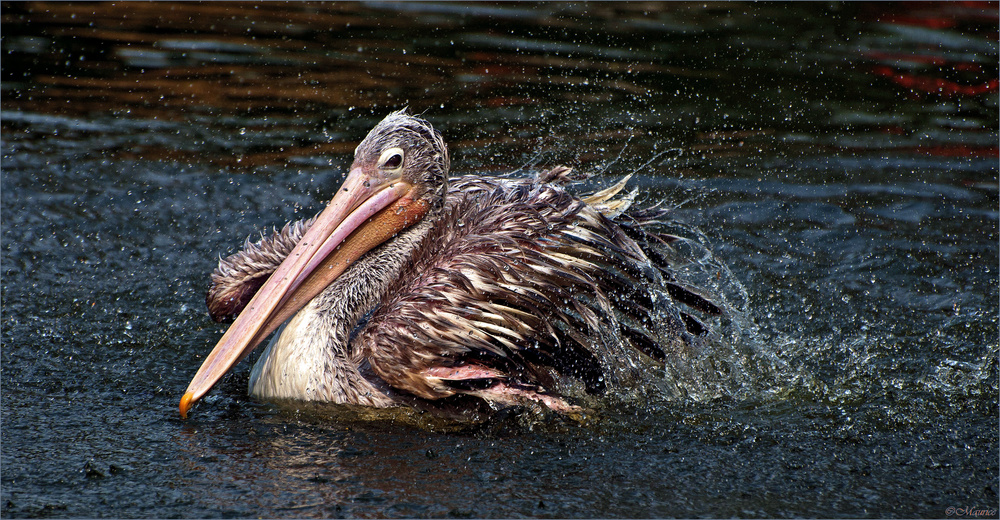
(297, 280)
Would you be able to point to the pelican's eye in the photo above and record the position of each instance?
(391, 159)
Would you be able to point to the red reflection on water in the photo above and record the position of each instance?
(933, 85)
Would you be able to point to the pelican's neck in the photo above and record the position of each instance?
(311, 358)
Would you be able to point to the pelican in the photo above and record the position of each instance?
(411, 288)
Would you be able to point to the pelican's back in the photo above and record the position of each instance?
(523, 291)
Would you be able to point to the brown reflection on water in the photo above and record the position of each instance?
(317, 62)
(314, 77)
(155, 59)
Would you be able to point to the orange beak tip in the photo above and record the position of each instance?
(186, 404)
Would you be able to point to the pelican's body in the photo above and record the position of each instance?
(495, 289)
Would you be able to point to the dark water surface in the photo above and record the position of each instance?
(841, 160)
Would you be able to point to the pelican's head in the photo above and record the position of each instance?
(409, 148)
